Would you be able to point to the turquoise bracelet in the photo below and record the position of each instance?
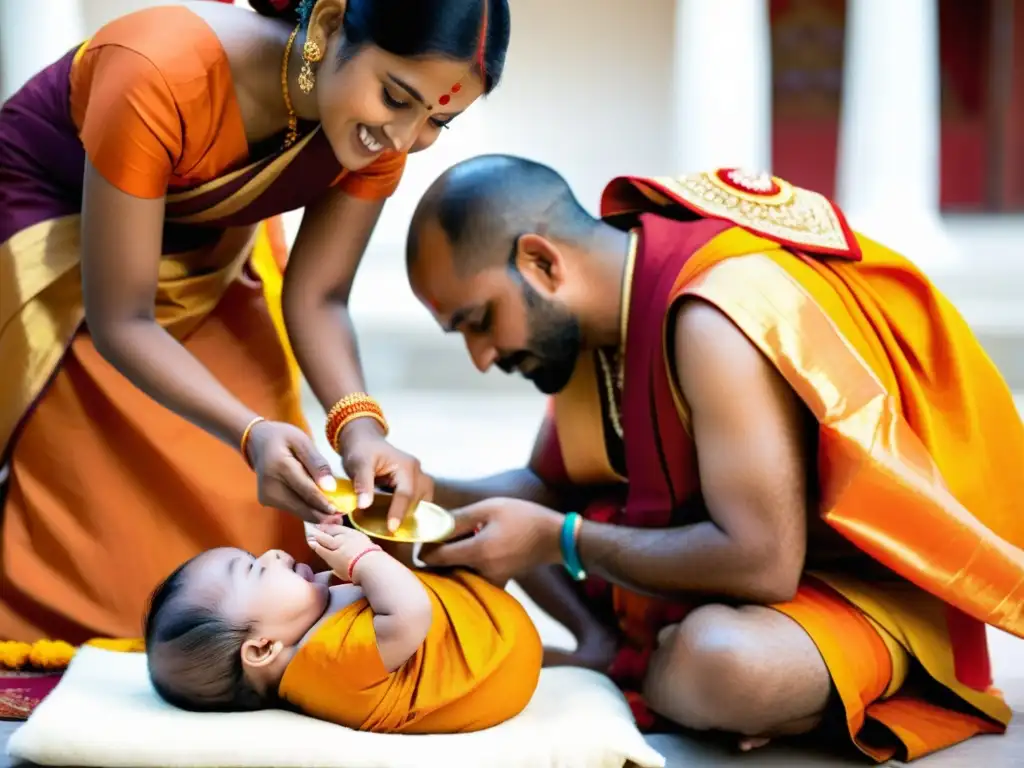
(570, 552)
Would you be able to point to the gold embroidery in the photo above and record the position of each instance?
(17, 704)
(764, 204)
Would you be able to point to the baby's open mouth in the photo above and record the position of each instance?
(304, 571)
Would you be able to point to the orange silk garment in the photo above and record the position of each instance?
(920, 445)
(478, 666)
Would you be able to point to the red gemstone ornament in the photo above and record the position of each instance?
(751, 183)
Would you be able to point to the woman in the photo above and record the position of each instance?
(134, 173)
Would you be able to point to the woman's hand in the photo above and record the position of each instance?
(289, 470)
(369, 459)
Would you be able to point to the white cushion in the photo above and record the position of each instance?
(104, 712)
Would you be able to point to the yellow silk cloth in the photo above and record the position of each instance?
(478, 666)
(94, 446)
(919, 450)
(921, 447)
(269, 258)
(41, 305)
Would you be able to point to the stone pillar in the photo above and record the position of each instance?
(33, 35)
(888, 167)
(723, 90)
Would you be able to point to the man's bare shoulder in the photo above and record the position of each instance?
(711, 351)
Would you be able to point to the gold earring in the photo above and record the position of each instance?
(311, 54)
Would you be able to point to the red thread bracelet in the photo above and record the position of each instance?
(356, 559)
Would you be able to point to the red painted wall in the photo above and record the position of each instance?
(807, 93)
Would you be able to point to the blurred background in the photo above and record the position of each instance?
(909, 113)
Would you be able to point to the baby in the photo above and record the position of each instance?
(391, 650)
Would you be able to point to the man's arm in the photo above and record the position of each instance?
(514, 484)
(525, 483)
(548, 586)
(749, 428)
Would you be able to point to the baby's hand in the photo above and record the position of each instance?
(338, 546)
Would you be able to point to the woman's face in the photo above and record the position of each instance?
(377, 101)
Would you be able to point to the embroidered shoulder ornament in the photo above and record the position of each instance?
(765, 205)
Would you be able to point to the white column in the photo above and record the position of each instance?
(33, 35)
(723, 87)
(888, 173)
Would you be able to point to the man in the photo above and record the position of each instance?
(799, 473)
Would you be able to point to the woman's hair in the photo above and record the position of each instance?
(463, 30)
(194, 653)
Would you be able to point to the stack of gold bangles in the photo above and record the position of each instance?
(351, 407)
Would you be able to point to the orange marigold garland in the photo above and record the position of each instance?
(55, 655)
(14, 655)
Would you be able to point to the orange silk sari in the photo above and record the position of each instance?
(108, 491)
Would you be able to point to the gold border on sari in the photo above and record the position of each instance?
(41, 303)
(245, 196)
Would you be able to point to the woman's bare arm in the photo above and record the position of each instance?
(121, 249)
(318, 282)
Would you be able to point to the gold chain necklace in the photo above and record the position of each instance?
(612, 386)
(613, 383)
(293, 121)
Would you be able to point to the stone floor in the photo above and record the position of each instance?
(469, 434)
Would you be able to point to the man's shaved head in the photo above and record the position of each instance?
(483, 204)
(498, 250)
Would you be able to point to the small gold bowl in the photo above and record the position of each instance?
(426, 523)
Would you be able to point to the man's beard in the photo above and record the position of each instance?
(554, 344)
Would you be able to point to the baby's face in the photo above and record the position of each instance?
(278, 596)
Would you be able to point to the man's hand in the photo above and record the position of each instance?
(506, 537)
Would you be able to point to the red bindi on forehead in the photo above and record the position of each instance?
(447, 97)
(481, 48)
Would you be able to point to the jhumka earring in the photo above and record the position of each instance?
(311, 54)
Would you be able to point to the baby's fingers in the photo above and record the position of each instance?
(331, 528)
(317, 538)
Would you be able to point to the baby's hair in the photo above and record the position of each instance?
(194, 653)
